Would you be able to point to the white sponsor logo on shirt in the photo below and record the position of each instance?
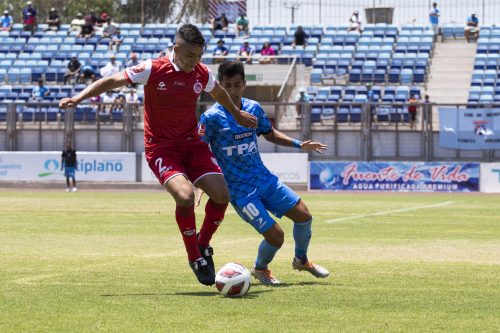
(161, 86)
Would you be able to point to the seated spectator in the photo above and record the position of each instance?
(472, 28)
(53, 20)
(118, 103)
(101, 20)
(133, 99)
(6, 21)
(76, 23)
(92, 17)
(107, 100)
(109, 28)
(116, 40)
(355, 22)
(301, 97)
(242, 25)
(112, 67)
(87, 74)
(29, 18)
(245, 53)
(40, 92)
(133, 60)
(220, 50)
(267, 53)
(167, 51)
(87, 30)
(299, 38)
(220, 23)
(73, 71)
(412, 110)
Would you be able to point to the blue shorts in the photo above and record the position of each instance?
(69, 172)
(276, 198)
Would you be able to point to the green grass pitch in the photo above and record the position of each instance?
(114, 262)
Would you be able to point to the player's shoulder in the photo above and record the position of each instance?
(201, 67)
(250, 105)
(214, 111)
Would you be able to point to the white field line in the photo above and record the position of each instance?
(386, 212)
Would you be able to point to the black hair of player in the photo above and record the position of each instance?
(231, 68)
(191, 35)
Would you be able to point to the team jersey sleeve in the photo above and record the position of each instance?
(139, 73)
(211, 81)
(264, 125)
(204, 128)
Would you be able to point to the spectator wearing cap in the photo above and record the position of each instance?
(6, 21)
(29, 17)
(355, 22)
(299, 37)
(472, 28)
(301, 97)
(73, 70)
(112, 67)
(109, 28)
(245, 53)
(220, 50)
(53, 20)
(76, 23)
(87, 73)
(101, 20)
(116, 40)
(87, 29)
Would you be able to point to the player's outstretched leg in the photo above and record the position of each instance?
(302, 235)
(272, 242)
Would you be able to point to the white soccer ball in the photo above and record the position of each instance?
(233, 280)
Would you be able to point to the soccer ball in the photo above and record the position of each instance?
(233, 280)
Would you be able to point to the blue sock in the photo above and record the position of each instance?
(265, 255)
(302, 235)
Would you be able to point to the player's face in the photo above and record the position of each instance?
(235, 86)
(187, 56)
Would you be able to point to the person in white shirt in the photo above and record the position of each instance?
(355, 22)
(77, 23)
(111, 68)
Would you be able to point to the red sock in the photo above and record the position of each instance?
(187, 225)
(214, 214)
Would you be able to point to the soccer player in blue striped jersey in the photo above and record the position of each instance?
(253, 189)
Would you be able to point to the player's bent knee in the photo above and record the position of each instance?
(275, 236)
(184, 198)
(221, 197)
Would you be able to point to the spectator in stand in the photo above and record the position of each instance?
(53, 20)
(76, 23)
(116, 40)
(40, 92)
(29, 18)
(133, 60)
(101, 20)
(267, 54)
(245, 53)
(87, 30)
(6, 21)
(434, 20)
(108, 100)
(111, 68)
(412, 110)
(220, 50)
(242, 25)
(87, 74)
(472, 28)
(109, 28)
(355, 22)
(92, 17)
(299, 38)
(73, 71)
(301, 97)
(220, 23)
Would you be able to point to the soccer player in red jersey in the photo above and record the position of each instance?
(172, 144)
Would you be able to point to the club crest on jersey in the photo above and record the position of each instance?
(139, 68)
(161, 86)
(197, 87)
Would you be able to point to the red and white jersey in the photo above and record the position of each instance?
(170, 97)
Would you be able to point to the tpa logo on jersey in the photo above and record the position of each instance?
(161, 86)
(139, 68)
(197, 87)
(243, 149)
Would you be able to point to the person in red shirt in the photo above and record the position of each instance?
(174, 150)
(412, 110)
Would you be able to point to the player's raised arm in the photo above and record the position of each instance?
(242, 117)
(282, 139)
(98, 87)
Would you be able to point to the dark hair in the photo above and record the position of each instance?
(191, 35)
(230, 69)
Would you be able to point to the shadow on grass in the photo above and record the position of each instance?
(303, 283)
(251, 294)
